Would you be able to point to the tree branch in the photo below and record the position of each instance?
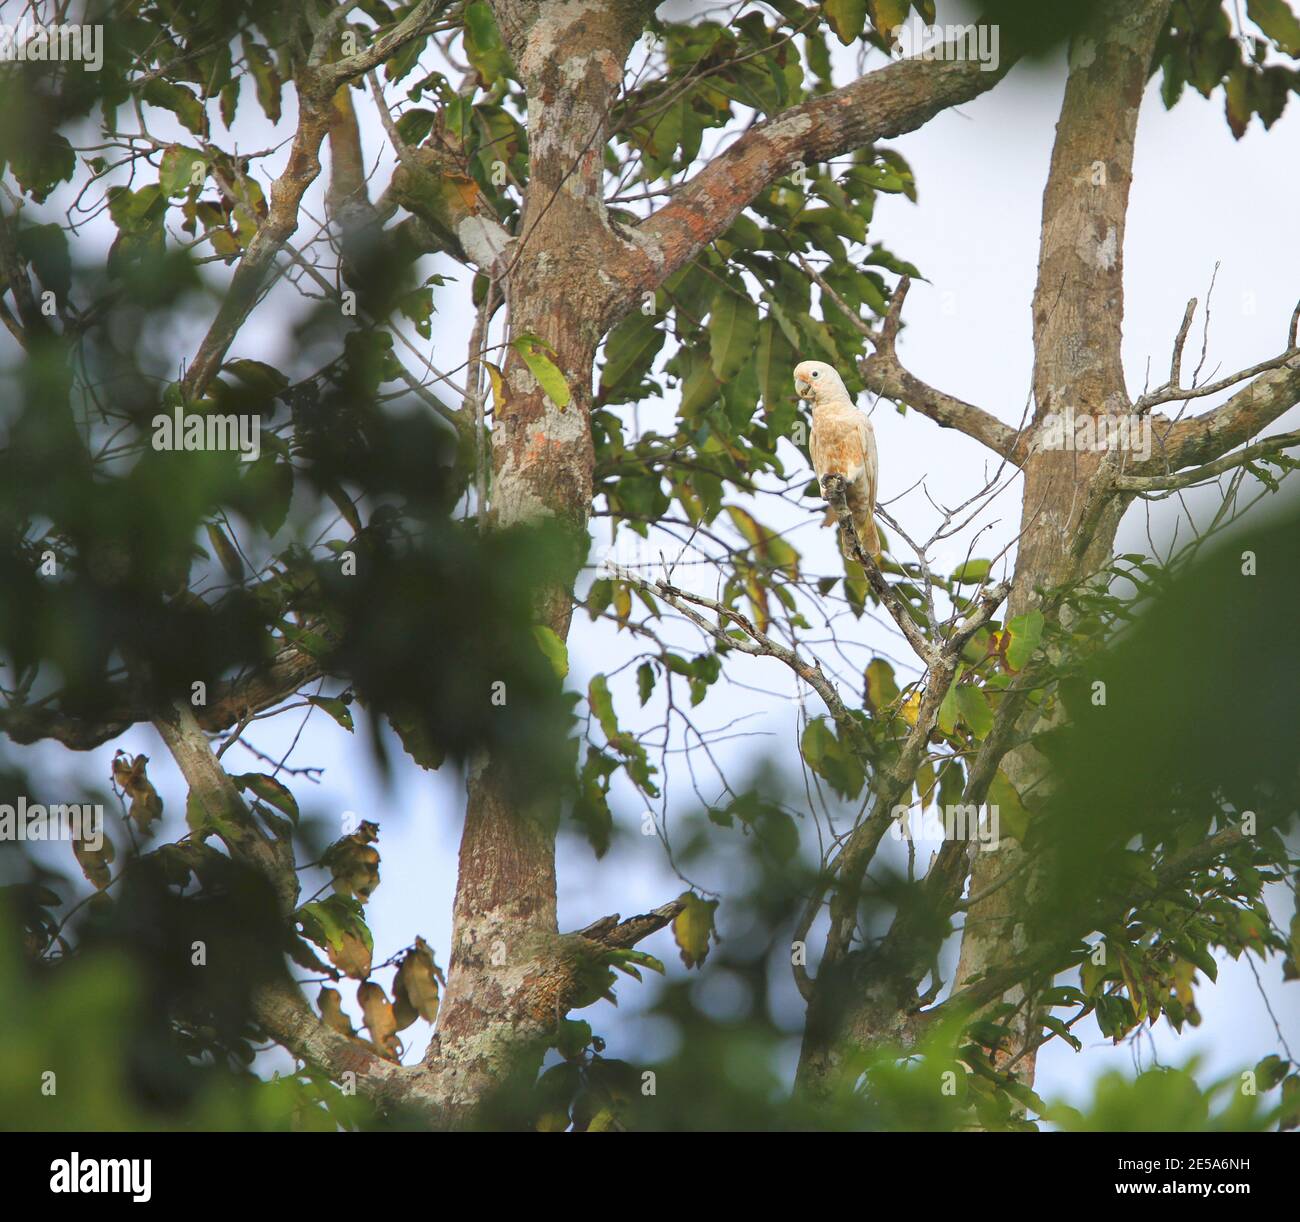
(610, 931)
(289, 670)
(883, 373)
(888, 102)
(1254, 407)
(758, 645)
(1268, 448)
(317, 83)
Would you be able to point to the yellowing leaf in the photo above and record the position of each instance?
(351, 956)
(693, 927)
(379, 1020)
(330, 1004)
(226, 551)
(95, 862)
(130, 775)
(498, 388)
(847, 17)
(888, 15)
(353, 863)
(416, 988)
(911, 708)
(336, 925)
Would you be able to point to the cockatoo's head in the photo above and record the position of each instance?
(818, 382)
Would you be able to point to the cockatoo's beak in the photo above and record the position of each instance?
(802, 386)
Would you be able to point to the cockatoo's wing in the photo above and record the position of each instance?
(870, 460)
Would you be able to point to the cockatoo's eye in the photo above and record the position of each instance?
(816, 373)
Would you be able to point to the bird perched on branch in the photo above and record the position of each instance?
(842, 443)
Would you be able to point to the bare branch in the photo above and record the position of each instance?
(931, 653)
(1176, 364)
(1251, 410)
(611, 931)
(1172, 392)
(883, 374)
(1270, 447)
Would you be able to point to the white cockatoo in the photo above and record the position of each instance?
(842, 443)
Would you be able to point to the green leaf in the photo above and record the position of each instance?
(416, 740)
(572, 1038)
(817, 741)
(180, 101)
(1026, 632)
(547, 373)
(557, 653)
(1012, 815)
(974, 708)
(629, 352)
(602, 705)
(335, 708)
(1290, 1117)
(415, 124)
(1277, 20)
(882, 689)
(177, 173)
(699, 387)
(1052, 1023)
(40, 164)
(269, 790)
(645, 681)
(1270, 1071)
(971, 573)
(483, 45)
(948, 711)
(733, 329)
(265, 77)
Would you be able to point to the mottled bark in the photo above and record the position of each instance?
(1078, 314)
(570, 57)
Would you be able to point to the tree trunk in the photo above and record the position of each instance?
(1077, 317)
(504, 918)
